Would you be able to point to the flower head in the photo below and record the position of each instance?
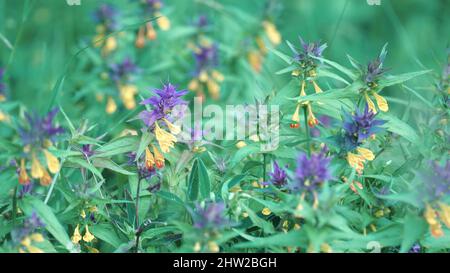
(106, 16)
(375, 69)
(39, 130)
(359, 126)
(311, 172)
(123, 71)
(309, 50)
(278, 176)
(210, 215)
(162, 104)
(206, 57)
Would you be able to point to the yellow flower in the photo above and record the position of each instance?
(140, 39)
(213, 88)
(197, 247)
(111, 106)
(430, 215)
(52, 162)
(83, 214)
(33, 249)
(110, 45)
(149, 159)
(266, 211)
(159, 158)
(217, 76)
(37, 237)
(272, 32)
(316, 87)
(151, 32)
(255, 60)
(370, 104)
(46, 179)
(366, 153)
(24, 179)
(127, 93)
(312, 121)
(213, 247)
(203, 76)
(76, 237)
(88, 237)
(326, 248)
(381, 102)
(241, 144)
(37, 171)
(165, 139)
(163, 22)
(444, 214)
(356, 161)
(174, 129)
(193, 85)
(262, 47)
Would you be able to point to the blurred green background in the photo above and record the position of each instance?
(45, 34)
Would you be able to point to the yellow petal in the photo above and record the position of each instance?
(52, 162)
(302, 89)
(83, 214)
(217, 76)
(33, 249)
(266, 211)
(203, 76)
(174, 129)
(312, 121)
(23, 175)
(46, 179)
(26, 241)
(159, 158)
(76, 237)
(110, 45)
(430, 216)
(213, 247)
(262, 47)
(149, 159)
(36, 168)
(316, 87)
(355, 161)
(444, 214)
(436, 230)
(193, 85)
(163, 22)
(165, 139)
(88, 237)
(37, 237)
(272, 33)
(296, 115)
(255, 60)
(213, 88)
(111, 106)
(381, 102)
(151, 32)
(366, 153)
(370, 104)
(241, 144)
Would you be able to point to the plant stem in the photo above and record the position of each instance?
(14, 206)
(138, 190)
(264, 167)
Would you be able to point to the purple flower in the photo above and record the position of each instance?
(314, 49)
(206, 57)
(415, 248)
(87, 151)
(359, 126)
(311, 172)
(278, 176)
(162, 104)
(26, 190)
(123, 71)
(106, 15)
(211, 215)
(202, 22)
(325, 121)
(151, 6)
(143, 171)
(39, 129)
(375, 68)
(30, 225)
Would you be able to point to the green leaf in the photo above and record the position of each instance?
(199, 184)
(393, 80)
(414, 227)
(109, 164)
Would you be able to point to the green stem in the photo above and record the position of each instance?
(138, 190)
(264, 167)
(14, 206)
